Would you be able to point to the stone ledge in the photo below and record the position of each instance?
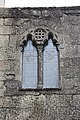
(38, 12)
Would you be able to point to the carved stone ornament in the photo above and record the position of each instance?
(39, 35)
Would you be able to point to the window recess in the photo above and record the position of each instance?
(40, 60)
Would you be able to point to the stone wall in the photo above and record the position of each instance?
(59, 104)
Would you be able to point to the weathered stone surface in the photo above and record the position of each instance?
(4, 41)
(2, 114)
(59, 104)
(6, 30)
(1, 21)
(10, 21)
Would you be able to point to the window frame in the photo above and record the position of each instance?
(39, 44)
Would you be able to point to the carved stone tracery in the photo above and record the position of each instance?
(39, 34)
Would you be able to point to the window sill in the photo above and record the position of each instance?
(20, 88)
(38, 89)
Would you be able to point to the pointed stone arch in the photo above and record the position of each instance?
(31, 31)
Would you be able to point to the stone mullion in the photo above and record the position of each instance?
(40, 66)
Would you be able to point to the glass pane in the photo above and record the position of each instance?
(50, 66)
(29, 66)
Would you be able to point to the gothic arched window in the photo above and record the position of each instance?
(50, 65)
(40, 61)
(29, 66)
